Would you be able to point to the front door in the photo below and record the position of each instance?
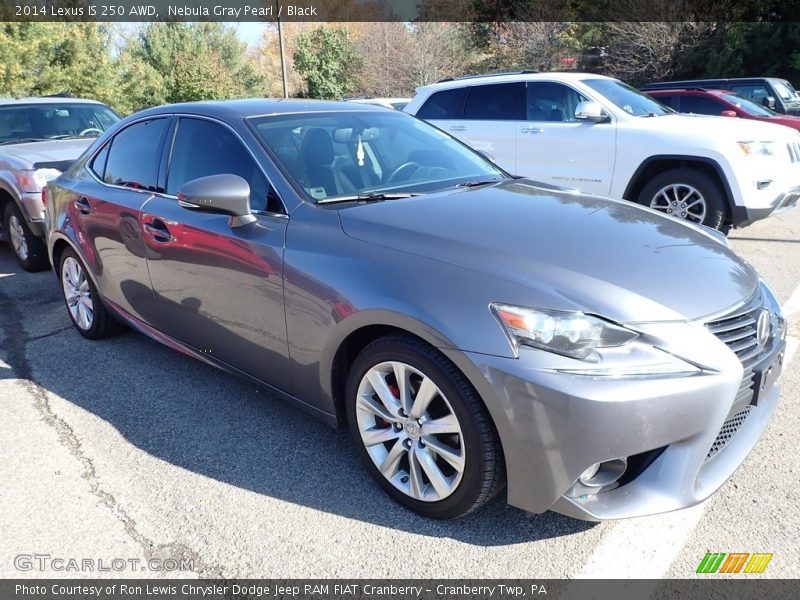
(219, 289)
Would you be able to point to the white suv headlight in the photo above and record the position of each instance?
(752, 148)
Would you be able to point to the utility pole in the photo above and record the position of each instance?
(283, 58)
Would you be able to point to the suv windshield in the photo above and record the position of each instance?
(34, 122)
(348, 154)
(751, 108)
(628, 98)
(785, 90)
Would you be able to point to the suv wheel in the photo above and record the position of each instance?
(421, 428)
(687, 194)
(85, 308)
(29, 250)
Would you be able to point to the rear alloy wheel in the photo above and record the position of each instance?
(422, 429)
(86, 310)
(29, 250)
(687, 194)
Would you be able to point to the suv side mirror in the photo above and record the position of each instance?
(728, 113)
(590, 111)
(226, 194)
(768, 102)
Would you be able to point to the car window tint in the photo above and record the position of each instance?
(671, 101)
(547, 101)
(447, 104)
(204, 148)
(701, 105)
(500, 102)
(98, 164)
(134, 156)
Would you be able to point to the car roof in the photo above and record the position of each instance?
(563, 76)
(46, 100)
(253, 107)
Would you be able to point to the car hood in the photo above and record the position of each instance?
(573, 251)
(48, 152)
(703, 126)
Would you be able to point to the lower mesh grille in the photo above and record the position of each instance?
(729, 429)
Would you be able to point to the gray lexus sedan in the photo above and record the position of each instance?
(469, 328)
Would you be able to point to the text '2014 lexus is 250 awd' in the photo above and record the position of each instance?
(470, 328)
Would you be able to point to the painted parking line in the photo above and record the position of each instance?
(645, 548)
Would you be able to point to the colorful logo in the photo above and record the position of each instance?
(734, 562)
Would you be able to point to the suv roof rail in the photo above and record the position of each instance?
(460, 77)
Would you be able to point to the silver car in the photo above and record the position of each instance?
(40, 138)
(468, 327)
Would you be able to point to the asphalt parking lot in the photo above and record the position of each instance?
(124, 449)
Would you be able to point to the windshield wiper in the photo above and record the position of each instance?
(23, 141)
(477, 183)
(72, 136)
(373, 197)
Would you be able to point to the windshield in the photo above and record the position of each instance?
(628, 98)
(785, 90)
(53, 121)
(751, 108)
(342, 154)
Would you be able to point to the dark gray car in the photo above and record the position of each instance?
(468, 327)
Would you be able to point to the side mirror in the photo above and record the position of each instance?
(728, 113)
(590, 111)
(226, 194)
(768, 102)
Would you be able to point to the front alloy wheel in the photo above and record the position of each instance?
(29, 250)
(421, 428)
(410, 431)
(680, 200)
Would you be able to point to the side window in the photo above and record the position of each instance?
(135, 154)
(205, 148)
(499, 102)
(671, 101)
(447, 104)
(754, 92)
(700, 105)
(548, 101)
(98, 164)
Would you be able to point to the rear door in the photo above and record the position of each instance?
(554, 147)
(702, 105)
(107, 208)
(219, 289)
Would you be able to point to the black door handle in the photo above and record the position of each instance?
(158, 230)
(83, 205)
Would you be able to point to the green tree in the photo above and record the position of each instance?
(328, 61)
(181, 62)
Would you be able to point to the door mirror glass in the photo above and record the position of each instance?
(590, 111)
(226, 194)
(728, 113)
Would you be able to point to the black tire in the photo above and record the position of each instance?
(103, 323)
(484, 467)
(35, 258)
(716, 214)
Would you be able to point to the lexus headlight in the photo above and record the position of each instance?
(751, 148)
(34, 181)
(573, 334)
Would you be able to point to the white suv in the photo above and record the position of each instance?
(601, 136)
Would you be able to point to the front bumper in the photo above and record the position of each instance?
(745, 215)
(554, 426)
(33, 211)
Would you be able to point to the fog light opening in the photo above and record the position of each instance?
(604, 473)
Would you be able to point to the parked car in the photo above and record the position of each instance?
(395, 103)
(601, 136)
(467, 326)
(40, 138)
(770, 92)
(700, 101)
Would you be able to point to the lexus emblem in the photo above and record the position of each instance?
(762, 327)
